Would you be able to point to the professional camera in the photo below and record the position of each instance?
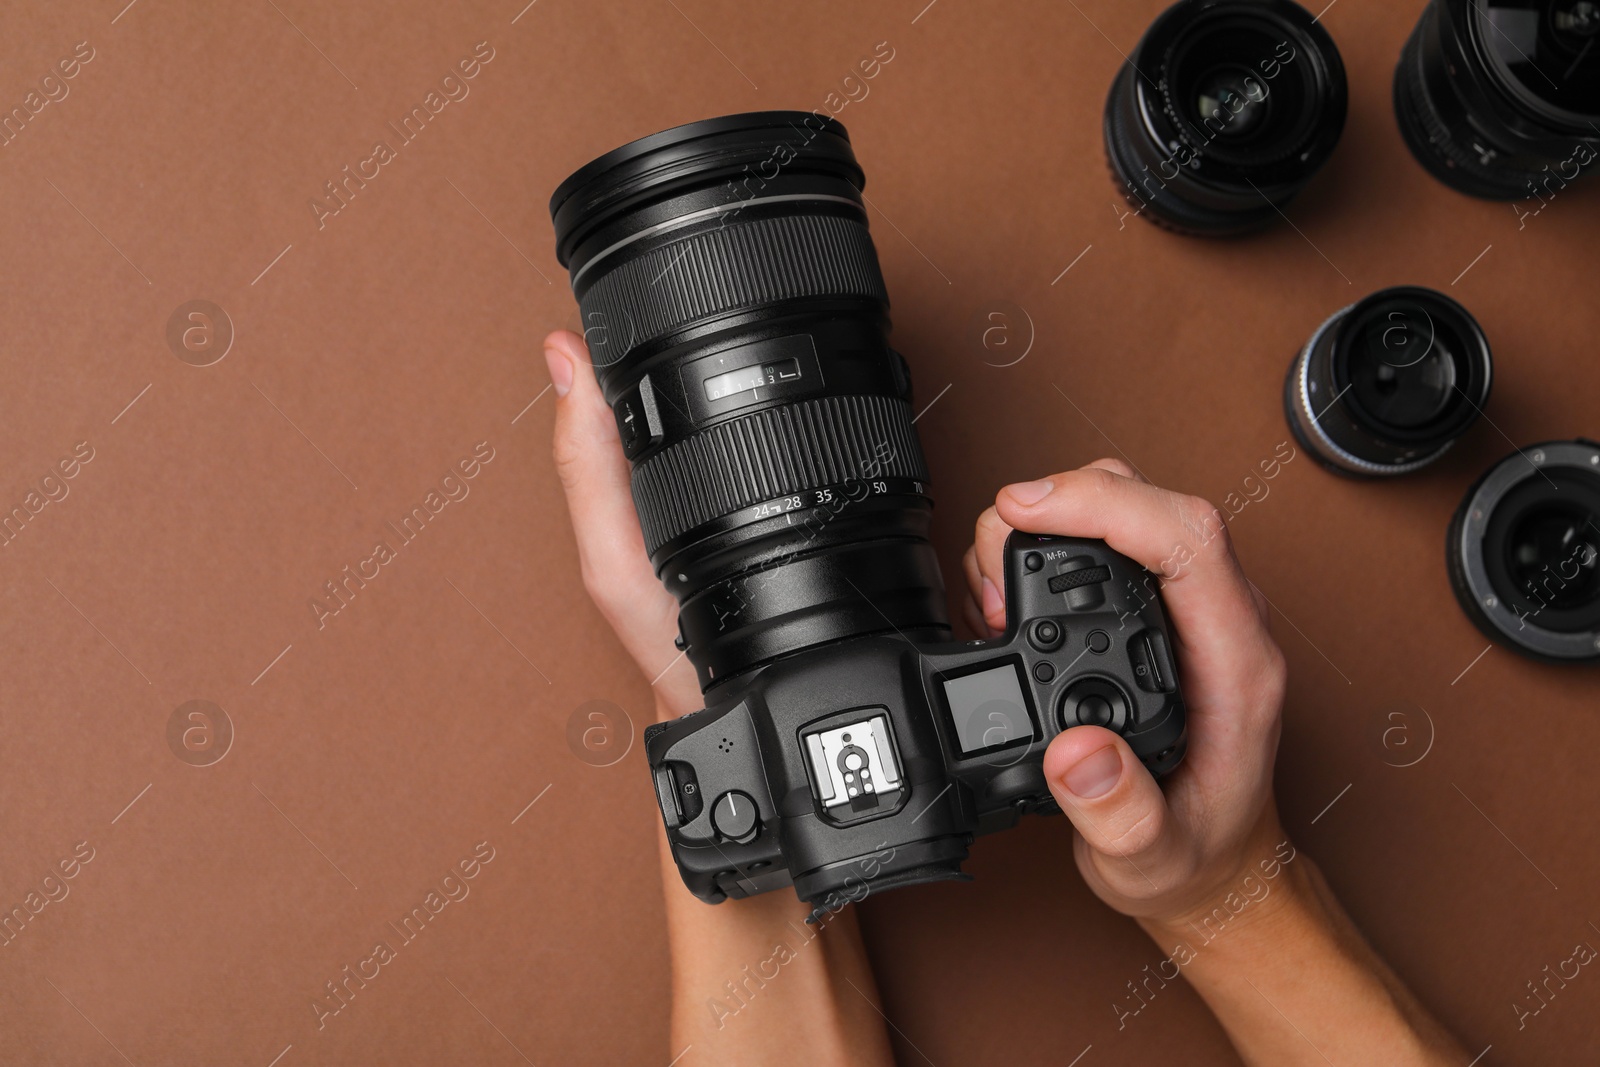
(1223, 113)
(1500, 98)
(738, 324)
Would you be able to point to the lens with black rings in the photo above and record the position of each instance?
(1225, 110)
(1523, 552)
(1387, 384)
(738, 324)
(1500, 99)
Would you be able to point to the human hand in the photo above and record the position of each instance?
(1151, 853)
(1146, 854)
(616, 570)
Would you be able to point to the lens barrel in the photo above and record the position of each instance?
(1523, 552)
(1500, 99)
(738, 323)
(1224, 112)
(1386, 385)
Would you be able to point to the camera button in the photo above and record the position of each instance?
(1099, 641)
(1094, 710)
(1043, 672)
(734, 816)
(1032, 562)
(1045, 635)
(1152, 663)
(1095, 702)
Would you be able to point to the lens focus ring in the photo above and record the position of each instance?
(744, 265)
(771, 454)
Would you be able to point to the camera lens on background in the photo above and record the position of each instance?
(1524, 552)
(1387, 384)
(738, 323)
(1500, 98)
(1223, 113)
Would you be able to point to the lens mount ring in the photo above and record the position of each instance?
(1489, 606)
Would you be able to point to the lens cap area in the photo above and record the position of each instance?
(1524, 552)
(1546, 51)
(1415, 364)
(1226, 109)
(1233, 82)
(728, 157)
(1388, 384)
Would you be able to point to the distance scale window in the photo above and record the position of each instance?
(746, 379)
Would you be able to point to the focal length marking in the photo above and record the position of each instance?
(832, 498)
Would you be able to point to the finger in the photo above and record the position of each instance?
(991, 538)
(1118, 466)
(969, 567)
(988, 540)
(979, 587)
(1263, 606)
(973, 617)
(1117, 807)
(1180, 539)
(611, 551)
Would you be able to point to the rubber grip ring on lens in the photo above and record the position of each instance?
(739, 265)
(1453, 163)
(774, 453)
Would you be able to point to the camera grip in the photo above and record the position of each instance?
(1096, 617)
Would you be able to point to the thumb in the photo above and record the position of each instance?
(1115, 804)
(588, 455)
(611, 550)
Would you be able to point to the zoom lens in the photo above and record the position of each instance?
(738, 324)
(1223, 113)
(1524, 552)
(1387, 384)
(1500, 98)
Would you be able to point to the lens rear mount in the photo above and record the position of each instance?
(1523, 552)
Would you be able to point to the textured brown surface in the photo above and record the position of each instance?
(381, 749)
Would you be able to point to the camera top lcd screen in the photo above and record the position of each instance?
(988, 709)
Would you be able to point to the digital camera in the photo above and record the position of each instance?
(738, 324)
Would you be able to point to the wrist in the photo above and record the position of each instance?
(1268, 887)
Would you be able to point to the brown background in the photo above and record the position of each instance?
(376, 351)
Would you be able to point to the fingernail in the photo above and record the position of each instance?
(1029, 493)
(993, 604)
(560, 370)
(1095, 774)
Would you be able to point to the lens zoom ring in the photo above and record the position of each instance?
(728, 268)
(771, 454)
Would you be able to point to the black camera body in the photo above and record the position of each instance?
(738, 323)
(872, 763)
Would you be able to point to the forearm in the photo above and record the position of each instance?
(753, 983)
(1292, 980)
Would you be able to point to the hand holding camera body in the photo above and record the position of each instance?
(738, 322)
